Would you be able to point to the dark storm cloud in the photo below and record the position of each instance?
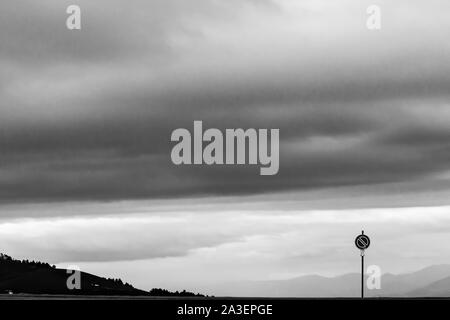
(32, 35)
(88, 115)
(34, 32)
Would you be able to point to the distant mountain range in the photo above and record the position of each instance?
(433, 281)
(30, 277)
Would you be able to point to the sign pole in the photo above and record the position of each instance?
(362, 274)
(362, 242)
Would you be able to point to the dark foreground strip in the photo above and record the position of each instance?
(220, 308)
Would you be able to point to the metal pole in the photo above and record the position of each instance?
(362, 271)
(362, 274)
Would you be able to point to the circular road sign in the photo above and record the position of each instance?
(362, 242)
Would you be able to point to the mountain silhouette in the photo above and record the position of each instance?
(409, 284)
(440, 288)
(427, 282)
(30, 277)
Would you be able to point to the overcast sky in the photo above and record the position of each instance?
(86, 117)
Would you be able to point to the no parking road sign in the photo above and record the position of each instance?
(362, 241)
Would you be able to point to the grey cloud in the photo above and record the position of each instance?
(129, 84)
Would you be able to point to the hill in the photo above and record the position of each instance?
(23, 276)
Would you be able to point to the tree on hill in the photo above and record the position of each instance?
(165, 293)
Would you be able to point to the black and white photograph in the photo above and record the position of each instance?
(224, 155)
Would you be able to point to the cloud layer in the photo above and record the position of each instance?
(87, 115)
